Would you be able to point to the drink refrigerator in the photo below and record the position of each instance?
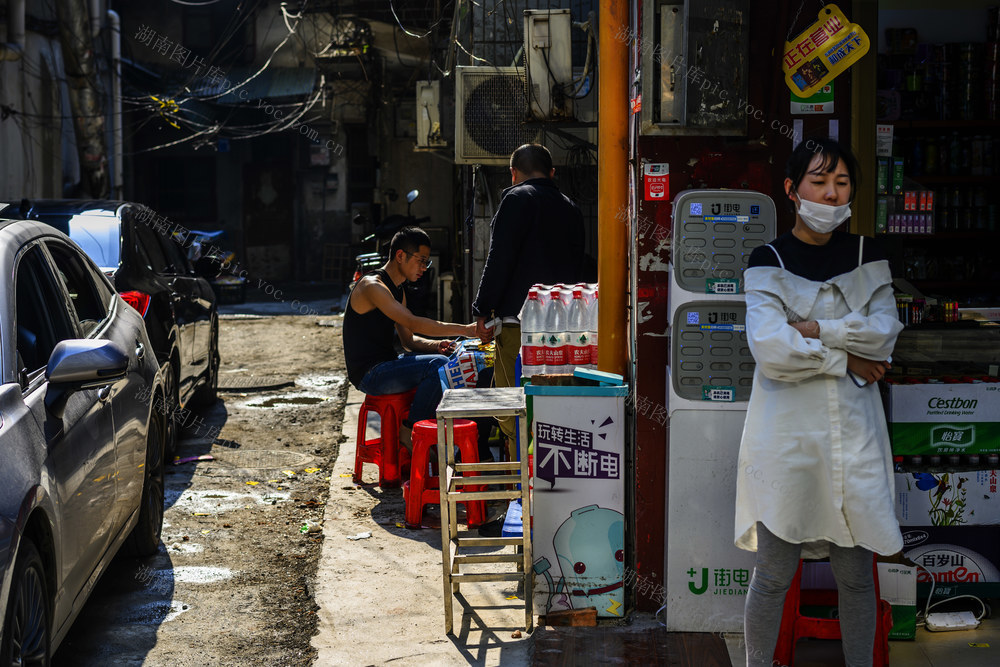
(709, 376)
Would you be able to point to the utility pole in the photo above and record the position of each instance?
(86, 101)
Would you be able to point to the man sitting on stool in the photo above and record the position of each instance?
(376, 307)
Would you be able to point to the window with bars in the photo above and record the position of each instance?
(497, 29)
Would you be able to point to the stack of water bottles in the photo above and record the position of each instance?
(559, 329)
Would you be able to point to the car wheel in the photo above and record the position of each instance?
(145, 537)
(209, 392)
(26, 627)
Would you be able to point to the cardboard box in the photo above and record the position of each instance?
(897, 583)
(954, 554)
(947, 499)
(944, 419)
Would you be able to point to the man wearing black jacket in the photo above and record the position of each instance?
(536, 236)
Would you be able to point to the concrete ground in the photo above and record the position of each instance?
(380, 600)
(381, 597)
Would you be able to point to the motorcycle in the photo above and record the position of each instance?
(419, 297)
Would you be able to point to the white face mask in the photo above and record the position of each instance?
(822, 218)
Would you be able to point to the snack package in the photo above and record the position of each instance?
(463, 367)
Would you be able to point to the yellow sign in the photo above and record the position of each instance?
(823, 51)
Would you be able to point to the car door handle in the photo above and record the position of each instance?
(104, 393)
(140, 351)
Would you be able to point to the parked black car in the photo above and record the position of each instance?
(81, 445)
(144, 255)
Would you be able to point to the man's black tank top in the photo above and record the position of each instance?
(368, 337)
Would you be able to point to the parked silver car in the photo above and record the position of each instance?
(81, 445)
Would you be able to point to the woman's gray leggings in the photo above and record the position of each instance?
(777, 561)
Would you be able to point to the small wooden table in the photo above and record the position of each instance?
(486, 402)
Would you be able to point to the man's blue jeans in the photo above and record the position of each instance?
(403, 374)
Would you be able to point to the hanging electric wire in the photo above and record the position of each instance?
(392, 7)
(267, 63)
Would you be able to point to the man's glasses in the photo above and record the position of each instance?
(426, 263)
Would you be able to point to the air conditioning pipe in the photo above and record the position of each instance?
(14, 47)
(95, 17)
(118, 151)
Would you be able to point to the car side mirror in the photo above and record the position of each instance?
(82, 364)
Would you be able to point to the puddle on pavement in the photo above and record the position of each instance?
(154, 613)
(197, 574)
(264, 459)
(287, 400)
(215, 501)
(321, 382)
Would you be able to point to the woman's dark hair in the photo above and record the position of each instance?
(408, 239)
(832, 153)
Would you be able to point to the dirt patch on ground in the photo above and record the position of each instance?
(232, 583)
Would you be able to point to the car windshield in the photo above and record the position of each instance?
(96, 232)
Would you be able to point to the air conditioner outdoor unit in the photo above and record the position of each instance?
(429, 131)
(549, 62)
(490, 113)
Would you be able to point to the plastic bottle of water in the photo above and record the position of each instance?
(544, 295)
(532, 336)
(579, 332)
(556, 335)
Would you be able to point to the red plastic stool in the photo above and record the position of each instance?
(423, 489)
(795, 626)
(383, 451)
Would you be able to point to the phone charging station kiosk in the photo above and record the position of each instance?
(709, 376)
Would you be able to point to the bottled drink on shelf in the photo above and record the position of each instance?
(931, 157)
(944, 155)
(556, 335)
(955, 163)
(977, 155)
(532, 336)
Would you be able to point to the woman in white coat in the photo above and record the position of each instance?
(815, 476)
